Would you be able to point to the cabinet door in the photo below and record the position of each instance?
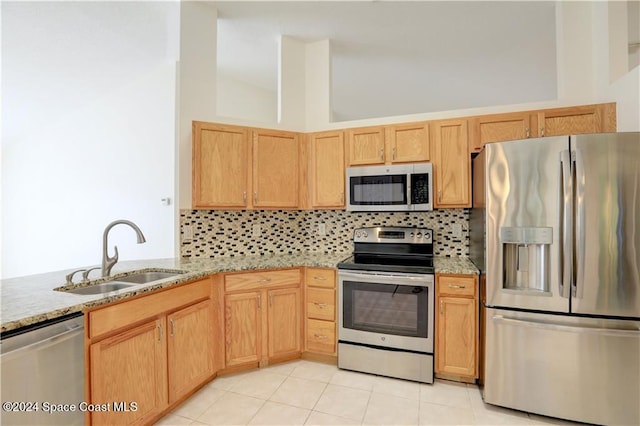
(275, 169)
(220, 165)
(456, 341)
(365, 146)
(130, 367)
(284, 322)
(242, 328)
(327, 167)
(409, 143)
(574, 120)
(452, 164)
(499, 127)
(190, 348)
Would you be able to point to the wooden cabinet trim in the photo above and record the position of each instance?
(261, 280)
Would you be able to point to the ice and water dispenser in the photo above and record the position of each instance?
(525, 258)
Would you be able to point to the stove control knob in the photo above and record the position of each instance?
(411, 235)
(364, 234)
(419, 235)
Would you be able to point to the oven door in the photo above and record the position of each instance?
(386, 309)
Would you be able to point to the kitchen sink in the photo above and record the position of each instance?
(99, 288)
(147, 277)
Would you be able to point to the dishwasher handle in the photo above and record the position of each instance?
(73, 331)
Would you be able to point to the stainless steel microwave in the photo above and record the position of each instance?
(402, 187)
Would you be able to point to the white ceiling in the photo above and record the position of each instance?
(395, 58)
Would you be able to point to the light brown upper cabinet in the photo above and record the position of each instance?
(599, 118)
(451, 164)
(408, 143)
(365, 146)
(326, 170)
(402, 143)
(237, 167)
(221, 166)
(500, 127)
(276, 169)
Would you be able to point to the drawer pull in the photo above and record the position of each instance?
(320, 278)
(320, 305)
(320, 336)
(456, 286)
(264, 280)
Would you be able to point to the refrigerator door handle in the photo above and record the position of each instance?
(566, 223)
(499, 319)
(578, 283)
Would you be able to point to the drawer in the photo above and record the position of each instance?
(113, 317)
(321, 277)
(457, 285)
(321, 336)
(261, 280)
(321, 304)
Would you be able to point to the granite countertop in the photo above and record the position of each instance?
(31, 299)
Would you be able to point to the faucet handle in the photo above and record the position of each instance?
(69, 277)
(85, 274)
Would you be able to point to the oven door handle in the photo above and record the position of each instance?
(428, 278)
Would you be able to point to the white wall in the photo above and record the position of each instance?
(88, 136)
(238, 99)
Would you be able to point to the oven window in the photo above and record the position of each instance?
(385, 308)
(382, 190)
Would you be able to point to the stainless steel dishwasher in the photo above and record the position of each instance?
(42, 369)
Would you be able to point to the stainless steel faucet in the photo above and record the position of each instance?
(109, 262)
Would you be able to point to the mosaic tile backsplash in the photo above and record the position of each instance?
(220, 233)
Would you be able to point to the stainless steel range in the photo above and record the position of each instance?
(386, 303)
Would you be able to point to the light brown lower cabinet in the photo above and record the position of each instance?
(262, 317)
(148, 353)
(456, 350)
(320, 312)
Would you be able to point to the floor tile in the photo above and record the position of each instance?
(199, 402)
(436, 414)
(353, 379)
(299, 392)
(273, 413)
(396, 387)
(317, 418)
(226, 382)
(258, 384)
(285, 368)
(173, 420)
(231, 409)
(446, 393)
(314, 371)
(343, 402)
(544, 420)
(391, 410)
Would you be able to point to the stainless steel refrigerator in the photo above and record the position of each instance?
(555, 229)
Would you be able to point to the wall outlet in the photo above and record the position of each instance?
(187, 233)
(457, 230)
(322, 229)
(256, 230)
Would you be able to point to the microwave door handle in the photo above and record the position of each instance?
(409, 193)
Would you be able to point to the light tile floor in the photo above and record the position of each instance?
(309, 393)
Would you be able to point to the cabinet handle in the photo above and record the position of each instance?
(159, 333)
(542, 131)
(393, 153)
(318, 278)
(255, 197)
(342, 197)
(320, 305)
(456, 286)
(264, 280)
(320, 336)
(173, 327)
(259, 302)
(441, 307)
(271, 300)
(382, 154)
(527, 132)
(440, 195)
(244, 197)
